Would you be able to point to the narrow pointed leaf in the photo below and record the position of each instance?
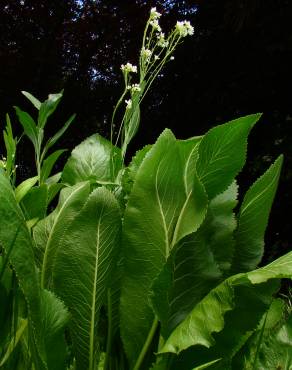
(32, 99)
(28, 125)
(49, 163)
(52, 141)
(222, 153)
(253, 219)
(48, 107)
(83, 269)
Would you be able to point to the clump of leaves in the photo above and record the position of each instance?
(146, 265)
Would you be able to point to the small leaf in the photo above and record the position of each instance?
(23, 188)
(49, 163)
(48, 107)
(32, 99)
(28, 125)
(59, 134)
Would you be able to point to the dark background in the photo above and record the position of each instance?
(238, 62)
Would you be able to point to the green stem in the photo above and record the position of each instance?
(146, 344)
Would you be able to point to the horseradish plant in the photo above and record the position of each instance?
(144, 266)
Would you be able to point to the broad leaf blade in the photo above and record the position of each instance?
(196, 264)
(207, 317)
(159, 213)
(95, 159)
(222, 153)
(49, 232)
(83, 268)
(253, 219)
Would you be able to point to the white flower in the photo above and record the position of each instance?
(156, 57)
(189, 28)
(126, 68)
(135, 88)
(161, 40)
(128, 104)
(154, 14)
(184, 28)
(155, 25)
(146, 54)
(171, 58)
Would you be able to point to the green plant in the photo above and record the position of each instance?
(146, 265)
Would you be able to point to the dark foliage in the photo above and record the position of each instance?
(238, 62)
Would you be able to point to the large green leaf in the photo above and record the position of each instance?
(48, 232)
(208, 317)
(83, 269)
(160, 211)
(222, 153)
(95, 159)
(197, 263)
(17, 244)
(253, 219)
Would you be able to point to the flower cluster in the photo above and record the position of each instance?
(161, 42)
(126, 68)
(146, 54)
(153, 20)
(184, 28)
(154, 14)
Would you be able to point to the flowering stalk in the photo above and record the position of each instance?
(156, 51)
